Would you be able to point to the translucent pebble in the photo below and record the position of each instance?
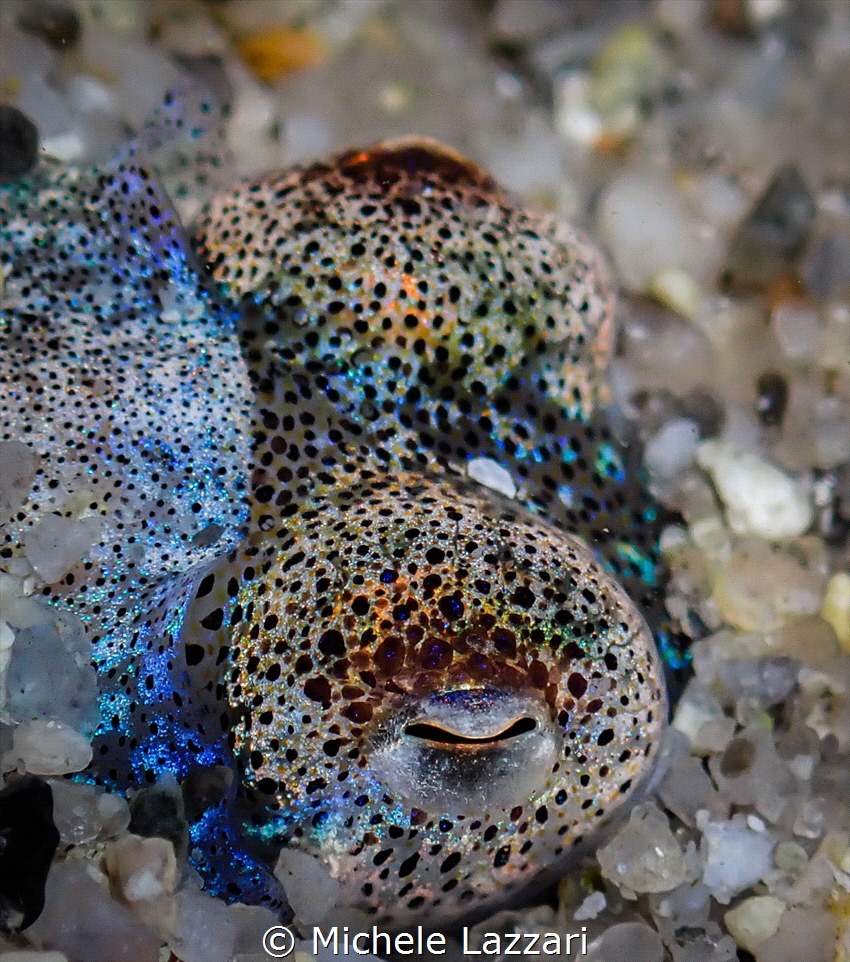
(833, 347)
(22, 54)
(673, 538)
(18, 464)
(662, 351)
(644, 855)
(204, 931)
(829, 716)
(647, 228)
(75, 812)
(687, 905)
(674, 745)
(735, 856)
(720, 200)
(252, 117)
(760, 588)
(68, 146)
(760, 498)
(142, 72)
(836, 847)
(47, 748)
(81, 920)
(797, 328)
(750, 772)
(21, 611)
(832, 440)
(17, 567)
(47, 678)
(697, 706)
(310, 890)
(252, 922)
(742, 430)
(7, 638)
(815, 884)
(306, 136)
(531, 164)
(56, 544)
(803, 933)
(492, 476)
(738, 758)
(634, 941)
(790, 857)
(672, 449)
(45, 106)
(809, 641)
(591, 906)
(810, 821)
(88, 95)
(687, 788)
(576, 119)
(767, 682)
(115, 814)
(713, 736)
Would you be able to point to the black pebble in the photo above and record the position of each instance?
(771, 398)
(701, 406)
(28, 841)
(832, 505)
(738, 757)
(783, 214)
(205, 787)
(775, 231)
(56, 23)
(18, 143)
(158, 812)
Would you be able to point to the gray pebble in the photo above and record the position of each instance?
(826, 269)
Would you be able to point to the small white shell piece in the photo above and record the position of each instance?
(492, 476)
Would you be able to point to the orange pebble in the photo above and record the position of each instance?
(276, 51)
(786, 287)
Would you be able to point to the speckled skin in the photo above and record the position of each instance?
(435, 690)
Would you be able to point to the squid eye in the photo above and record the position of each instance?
(434, 733)
(467, 751)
